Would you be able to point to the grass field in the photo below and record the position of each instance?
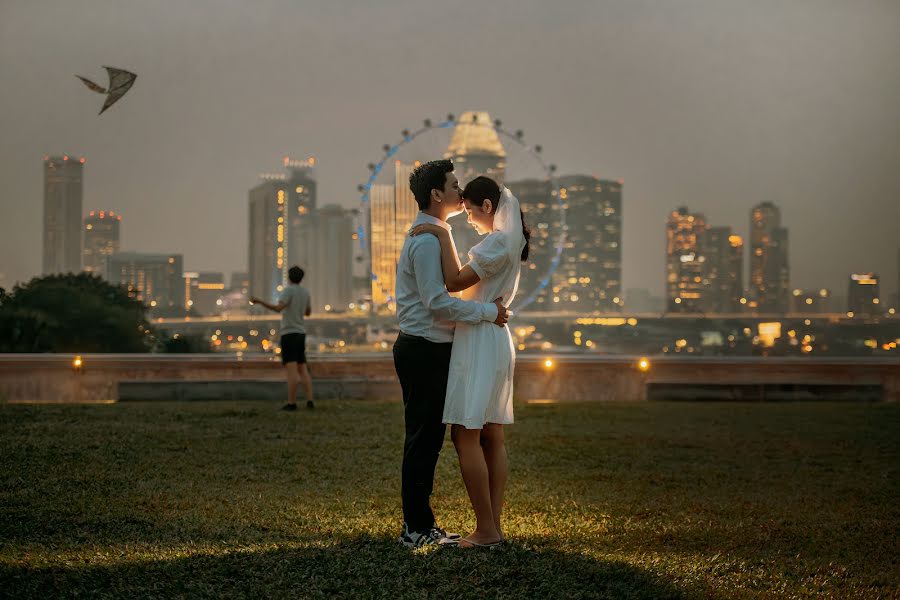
(653, 500)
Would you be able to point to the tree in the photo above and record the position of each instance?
(72, 313)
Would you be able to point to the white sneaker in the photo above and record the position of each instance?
(433, 537)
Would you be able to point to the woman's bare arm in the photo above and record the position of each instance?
(456, 277)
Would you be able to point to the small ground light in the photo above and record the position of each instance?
(77, 362)
(548, 364)
(644, 364)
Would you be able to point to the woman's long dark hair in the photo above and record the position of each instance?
(484, 188)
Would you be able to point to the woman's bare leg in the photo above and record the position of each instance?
(475, 475)
(498, 470)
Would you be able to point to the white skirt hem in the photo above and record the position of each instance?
(474, 423)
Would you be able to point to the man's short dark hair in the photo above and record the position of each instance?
(429, 176)
(295, 274)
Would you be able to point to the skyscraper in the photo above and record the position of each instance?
(686, 282)
(331, 268)
(63, 192)
(203, 292)
(724, 254)
(392, 209)
(101, 239)
(268, 239)
(155, 279)
(405, 205)
(281, 213)
(589, 276)
(769, 271)
(475, 149)
(863, 294)
(383, 243)
(303, 200)
(542, 215)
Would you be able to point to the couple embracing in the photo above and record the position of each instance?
(455, 357)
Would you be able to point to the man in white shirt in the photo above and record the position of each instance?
(427, 315)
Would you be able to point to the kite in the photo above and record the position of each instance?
(120, 81)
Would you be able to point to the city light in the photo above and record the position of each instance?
(548, 363)
(77, 362)
(696, 249)
(644, 364)
(769, 332)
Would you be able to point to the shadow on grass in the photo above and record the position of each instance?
(364, 566)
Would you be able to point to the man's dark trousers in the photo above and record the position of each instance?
(422, 367)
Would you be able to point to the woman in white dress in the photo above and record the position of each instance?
(480, 384)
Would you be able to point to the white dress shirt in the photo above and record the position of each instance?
(424, 306)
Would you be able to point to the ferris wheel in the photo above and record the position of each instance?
(478, 145)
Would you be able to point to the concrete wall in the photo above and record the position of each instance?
(53, 378)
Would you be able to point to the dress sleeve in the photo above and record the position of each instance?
(489, 256)
(425, 252)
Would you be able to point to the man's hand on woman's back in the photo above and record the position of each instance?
(502, 313)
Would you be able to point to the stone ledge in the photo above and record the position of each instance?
(53, 378)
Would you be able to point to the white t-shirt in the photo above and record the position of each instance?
(296, 299)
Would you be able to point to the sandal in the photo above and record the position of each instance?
(471, 544)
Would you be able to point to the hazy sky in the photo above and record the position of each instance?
(713, 104)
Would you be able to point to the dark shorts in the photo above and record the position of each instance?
(293, 348)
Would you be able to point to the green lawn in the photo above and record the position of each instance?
(225, 499)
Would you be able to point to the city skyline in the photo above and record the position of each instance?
(715, 286)
(736, 114)
(321, 239)
(759, 214)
